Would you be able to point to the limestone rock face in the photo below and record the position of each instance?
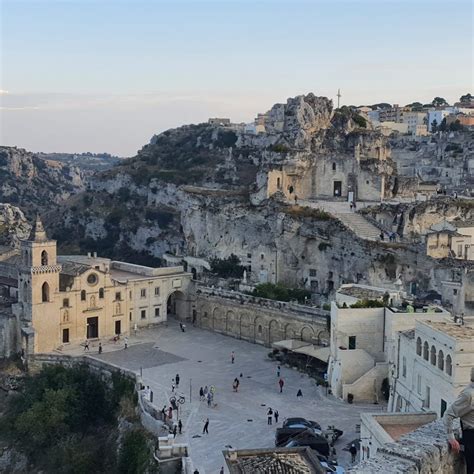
(13, 225)
(34, 183)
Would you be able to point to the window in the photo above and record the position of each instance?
(249, 255)
(157, 312)
(44, 257)
(66, 303)
(440, 360)
(352, 342)
(278, 183)
(65, 336)
(130, 294)
(262, 256)
(157, 291)
(455, 291)
(92, 279)
(118, 296)
(427, 400)
(418, 346)
(143, 293)
(259, 329)
(433, 355)
(101, 293)
(143, 314)
(130, 316)
(426, 351)
(404, 367)
(334, 166)
(459, 250)
(83, 295)
(45, 293)
(418, 384)
(330, 274)
(449, 365)
(312, 272)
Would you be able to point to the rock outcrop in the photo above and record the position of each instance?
(13, 225)
(33, 183)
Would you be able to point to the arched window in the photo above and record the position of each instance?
(440, 360)
(44, 257)
(259, 329)
(418, 346)
(101, 292)
(45, 292)
(83, 295)
(334, 166)
(433, 355)
(449, 365)
(426, 351)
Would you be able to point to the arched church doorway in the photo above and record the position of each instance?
(176, 306)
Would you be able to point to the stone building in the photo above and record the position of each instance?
(364, 339)
(451, 239)
(67, 299)
(433, 365)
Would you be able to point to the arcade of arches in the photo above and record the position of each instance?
(257, 324)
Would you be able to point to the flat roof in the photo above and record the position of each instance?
(396, 431)
(461, 333)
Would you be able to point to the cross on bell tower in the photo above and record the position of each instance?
(338, 97)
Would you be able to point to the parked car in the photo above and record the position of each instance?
(291, 437)
(293, 422)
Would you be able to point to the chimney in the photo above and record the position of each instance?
(88, 254)
(95, 255)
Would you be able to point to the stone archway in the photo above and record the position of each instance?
(274, 331)
(176, 305)
(307, 334)
(260, 330)
(246, 327)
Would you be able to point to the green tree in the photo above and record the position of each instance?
(439, 102)
(465, 99)
(227, 267)
(415, 106)
(135, 455)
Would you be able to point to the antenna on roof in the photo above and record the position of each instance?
(338, 97)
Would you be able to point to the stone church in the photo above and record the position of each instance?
(48, 301)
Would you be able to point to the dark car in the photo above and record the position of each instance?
(302, 437)
(293, 422)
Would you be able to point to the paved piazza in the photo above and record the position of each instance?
(238, 419)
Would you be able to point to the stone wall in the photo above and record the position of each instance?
(425, 450)
(259, 320)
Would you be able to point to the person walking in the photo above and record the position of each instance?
(175, 430)
(222, 470)
(351, 205)
(177, 380)
(86, 345)
(278, 371)
(125, 340)
(209, 399)
(206, 427)
(180, 427)
(281, 382)
(170, 413)
(353, 451)
(100, 348)
(163, 414)
(235, 384)
(269, 416)
(232, 357)
(355, 205)
(463, 408)
(183, 327)
(201, 394)
(299, 394)
(382, 236)
(205, 391)
(276, 415)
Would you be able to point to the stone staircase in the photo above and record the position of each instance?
(359, 225)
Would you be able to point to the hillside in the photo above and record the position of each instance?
(34, 184)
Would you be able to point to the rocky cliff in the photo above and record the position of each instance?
(33, 183)
(13, 225)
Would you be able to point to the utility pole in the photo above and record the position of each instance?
(338, 97)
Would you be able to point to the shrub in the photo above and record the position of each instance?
(227, 267)
(135, 454)
(280, 293)
(279, 148)
(366, 303)
(359, 120)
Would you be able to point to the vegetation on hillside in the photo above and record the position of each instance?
(280, 292)
(65, 420)
(227, 267)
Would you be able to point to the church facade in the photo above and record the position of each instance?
(60, 300)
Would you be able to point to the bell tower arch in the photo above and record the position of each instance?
(39, 290)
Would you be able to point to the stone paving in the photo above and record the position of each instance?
(238, 419)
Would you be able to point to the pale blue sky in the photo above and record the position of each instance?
(106, 75)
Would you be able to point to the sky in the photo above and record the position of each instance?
(106, 75)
